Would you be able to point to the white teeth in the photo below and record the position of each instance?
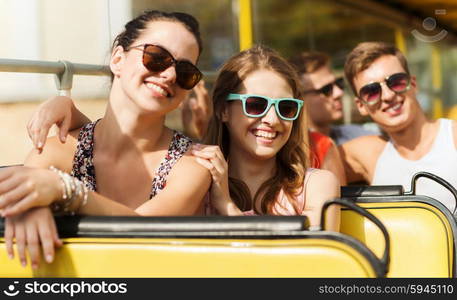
(265, 134)
(156, 88)
(395, 107)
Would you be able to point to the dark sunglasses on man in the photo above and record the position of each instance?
(327, 90)
(371, 93)
(158, 59)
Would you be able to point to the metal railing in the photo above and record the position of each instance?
(63, 71)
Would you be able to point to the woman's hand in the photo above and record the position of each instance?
(57, 110)
(31, 230)
(22, 188)
(212, 158)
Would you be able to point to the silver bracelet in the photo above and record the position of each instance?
(74, 191)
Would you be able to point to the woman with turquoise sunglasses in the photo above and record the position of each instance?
(259, 128)
(256, 151)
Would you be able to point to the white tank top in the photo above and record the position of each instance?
(441, 160)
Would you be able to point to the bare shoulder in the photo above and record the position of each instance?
(359, 156)
(190, 181)
(322, 179)
(367, 141)
(322, 185)
(358, 147)
(187, 167)
(55, 153)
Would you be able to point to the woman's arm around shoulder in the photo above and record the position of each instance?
(33, 184)
(60, 111)
(55, 154)
(322, 186)
(186, 187)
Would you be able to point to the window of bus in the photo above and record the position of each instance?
(335, 28)
(324, 26)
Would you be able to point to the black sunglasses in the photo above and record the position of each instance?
(372, 92)
(327, 90)
(158, 59)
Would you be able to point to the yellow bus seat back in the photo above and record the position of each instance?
(205, 247)
(421, 229)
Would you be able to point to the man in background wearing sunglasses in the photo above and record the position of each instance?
(323, 94)
(385, 90)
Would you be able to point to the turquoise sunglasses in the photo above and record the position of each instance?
(256, 106)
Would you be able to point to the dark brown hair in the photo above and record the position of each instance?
(134, 27)
(291, 160)
(364, 54)
(309, 62)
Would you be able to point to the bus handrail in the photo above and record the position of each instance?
(62, 69)
(58, 67)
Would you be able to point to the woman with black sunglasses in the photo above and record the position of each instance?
(258, 158)
(126, 163)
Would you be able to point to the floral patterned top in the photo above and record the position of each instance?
(83, 167)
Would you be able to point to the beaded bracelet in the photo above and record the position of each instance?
(73, 191)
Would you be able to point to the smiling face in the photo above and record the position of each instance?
(394, 111)
(154, 91)
(323, 110)
(259, 138)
